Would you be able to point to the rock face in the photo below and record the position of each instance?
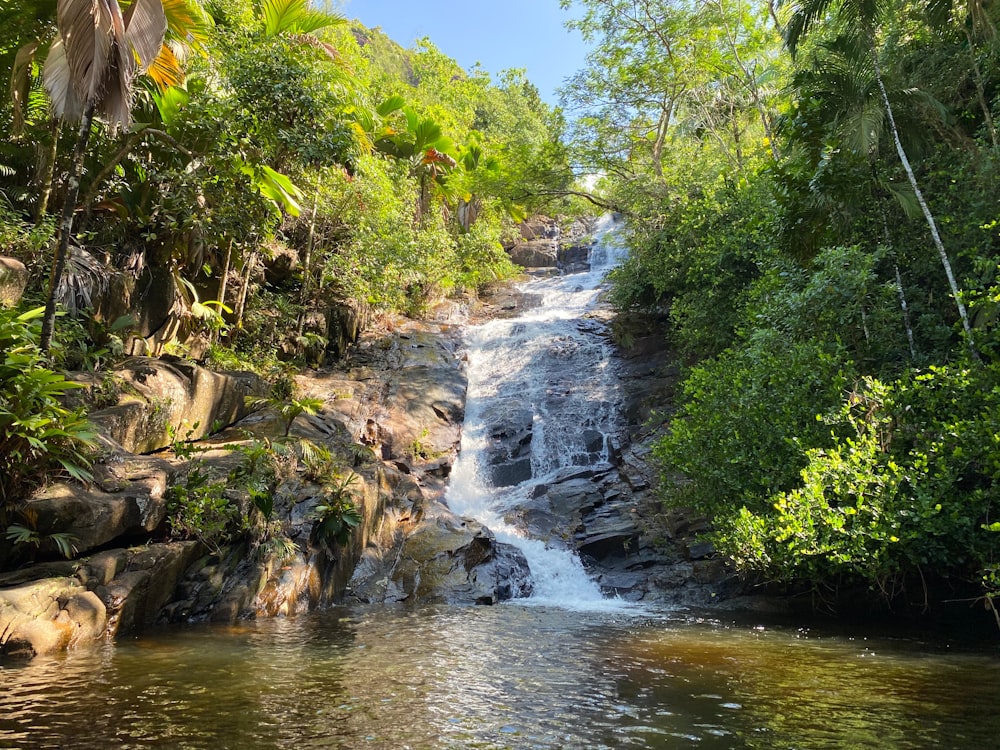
(126, 501)
(440, 558)
(535, 253)
(13, 281)
(160, 395)
(55, 606)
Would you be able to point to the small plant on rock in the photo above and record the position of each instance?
(337, 515)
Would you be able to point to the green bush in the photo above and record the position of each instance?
(39, 437)
(908, 489)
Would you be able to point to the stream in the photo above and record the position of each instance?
(563, 668)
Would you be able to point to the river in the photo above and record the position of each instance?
(509, 676)
(566, 668)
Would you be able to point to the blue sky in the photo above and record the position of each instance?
(506, 34)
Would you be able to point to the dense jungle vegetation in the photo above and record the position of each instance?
(810, 188)
(222, 179)
(812, 196)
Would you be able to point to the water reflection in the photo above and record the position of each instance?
(501, 677)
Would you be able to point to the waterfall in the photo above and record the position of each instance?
(541, 401)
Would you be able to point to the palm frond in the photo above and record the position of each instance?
(20, 83)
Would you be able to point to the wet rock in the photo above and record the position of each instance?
(509, 451)
(49, 615)
(607, 544)
(574, 496)
(444, 558)
(574, 258)
(135, 596)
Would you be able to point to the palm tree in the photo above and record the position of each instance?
(91, 70)
(865, 16)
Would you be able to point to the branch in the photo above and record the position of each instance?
(115, 160)
(597, 201)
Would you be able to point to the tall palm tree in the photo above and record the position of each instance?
(865, 17)
(90, 70)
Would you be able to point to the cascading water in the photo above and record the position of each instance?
(541, 401)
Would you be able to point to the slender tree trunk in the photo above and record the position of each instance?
(900, 289)
(227, 260)
(307, 264)
(931, 223)
(980, 90)
(662, 128)
(906, 312)
(66, 224)
(248, 268)
(46, 172)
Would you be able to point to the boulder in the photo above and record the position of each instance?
(127, 500)
(13, 281)
(146, 582)
(49, 615)
(535, 253)
(573, 258)
(508, 454)
(444, 558)
(160, 395)
(540, 228)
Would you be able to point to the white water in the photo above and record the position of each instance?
(555, 363)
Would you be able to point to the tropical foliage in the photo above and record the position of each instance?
(809, 186)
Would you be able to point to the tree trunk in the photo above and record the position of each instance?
(307, 264)
(248, 269)
(46, 172)
(906, 312)
(227, 260)
(931, 223)
(66, 224)
(980, 90)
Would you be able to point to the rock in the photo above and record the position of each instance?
(535, 253)
(709, 571)
(49, 615)
(134, 597)
(540, 228)
(345, 322)
(508, 454)
(607, 544)
(700, 550)
(423, 413)
(573, 497)
(444, 558)
(134, 506)
(573, 258)
(160, 394)
(13, 281)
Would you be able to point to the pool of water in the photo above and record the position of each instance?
(511, 676)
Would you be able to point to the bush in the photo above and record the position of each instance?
(908, 489)
(39, 437)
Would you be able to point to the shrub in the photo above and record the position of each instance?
(39, 437)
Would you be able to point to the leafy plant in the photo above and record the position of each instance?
(337, 515)
(284, 401)
(39, 437)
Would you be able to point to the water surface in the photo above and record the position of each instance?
(511, 676)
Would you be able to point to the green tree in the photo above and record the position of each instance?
(91, 68)
(866, 19)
